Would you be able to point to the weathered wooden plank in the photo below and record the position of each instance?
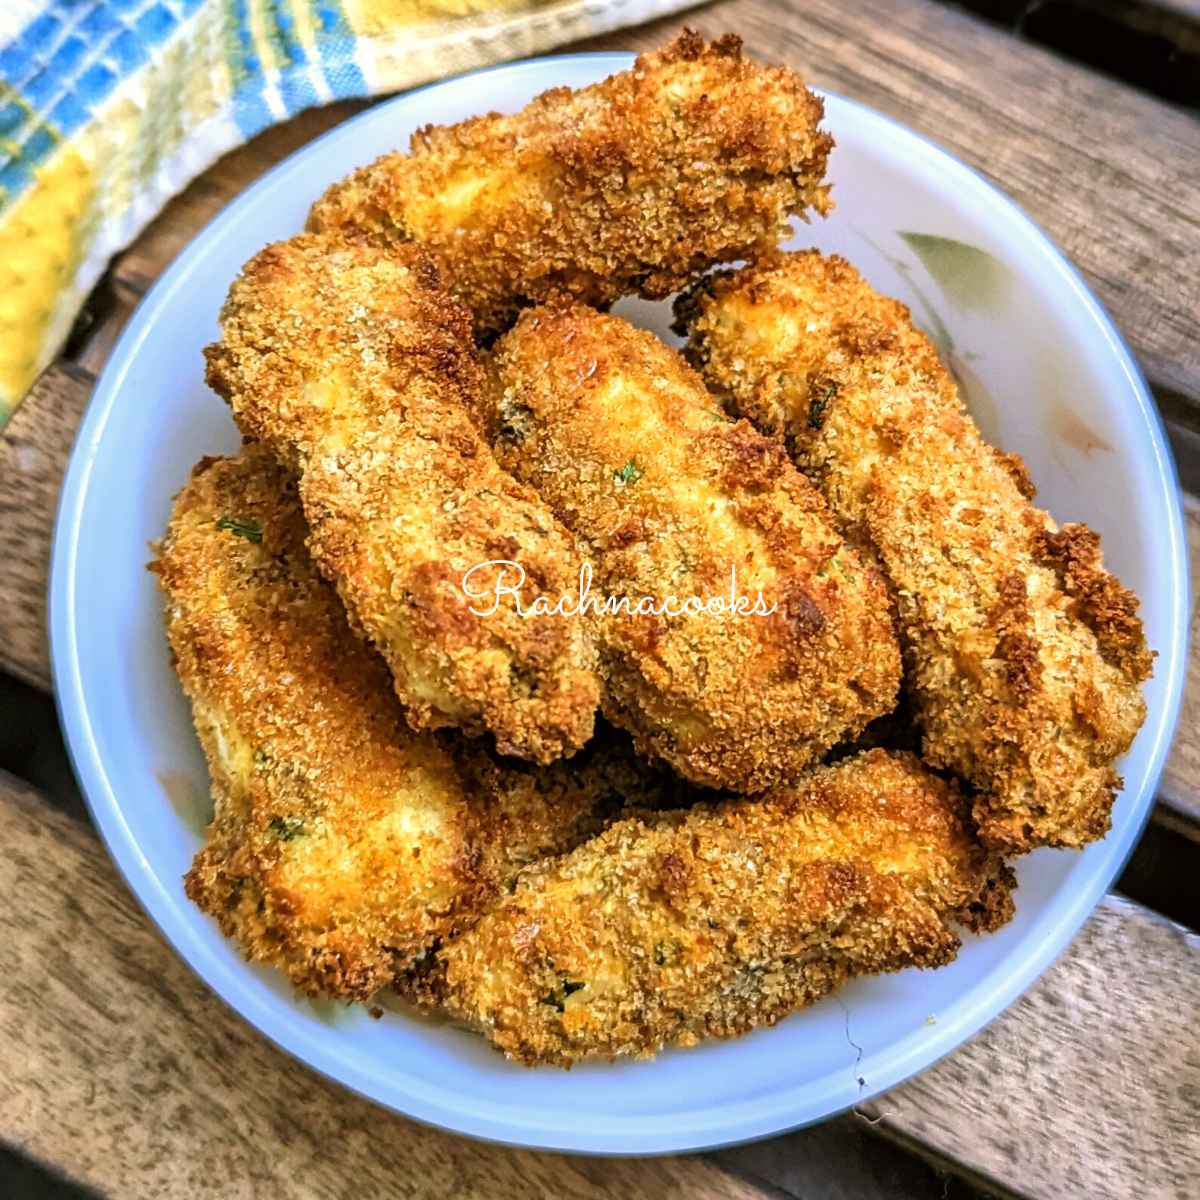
(123, 1071)
(1111, 173)
(1087, 1086)
(34, 446)
(1185, 445)
(847, 1159)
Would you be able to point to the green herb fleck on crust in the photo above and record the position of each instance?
(836, 563)
(629, 473)
(286, 828)
(818, 404)
(250, 530)
(664, 952)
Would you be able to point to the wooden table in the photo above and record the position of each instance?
(120, 1069)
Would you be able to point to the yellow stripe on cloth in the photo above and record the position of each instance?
(41, 245)
(375, 17)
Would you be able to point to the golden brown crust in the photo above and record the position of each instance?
(356, 369)
(695, 156)
(1025, 655)
(1107, 608)
(670, 928)
(668, 497)
(343, 847)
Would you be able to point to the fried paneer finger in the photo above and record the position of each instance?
(1025, 656)
(695, 156)
(671, 500)
(343, 847)
(355, 368)
(671, 928)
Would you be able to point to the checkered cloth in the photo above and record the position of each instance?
(110, 107)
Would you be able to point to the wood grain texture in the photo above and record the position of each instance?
(122, 1070)
(125, 1072)
(34, 446)
(1110, 173)
(1089, 1086)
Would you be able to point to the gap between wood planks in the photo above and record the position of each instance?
(125, 1072)
(1151, 44)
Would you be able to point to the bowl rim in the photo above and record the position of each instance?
(499, 1126)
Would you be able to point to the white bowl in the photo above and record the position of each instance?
(1048, 376)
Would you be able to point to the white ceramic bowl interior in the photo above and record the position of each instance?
(1047, 376)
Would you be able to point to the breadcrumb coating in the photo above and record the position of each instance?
(356, 369)
(693, 157)
(1025, 656)
(670, 498)
(343, 847)
(669, 928)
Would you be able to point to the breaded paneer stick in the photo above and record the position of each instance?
(672, 500)
(1025, 656)
(695, 156)
(344, 847)
(356, 369)
(531, 813)
(670, 928)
